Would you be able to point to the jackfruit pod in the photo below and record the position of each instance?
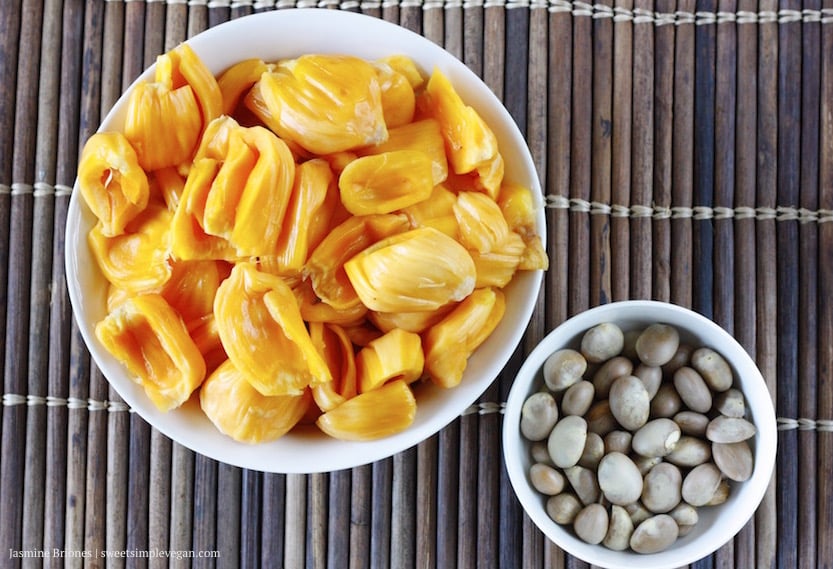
(470, 142)
(262, 332)
(395, 355)
(421, 269)
(248, 198)
(378, 413)
(386, 182)
(423, 135)
(238, 79)
(497, 267)
(239, 411)
(362, 333)
(116, 296)
(335, 347)
(325, 103)
(313, 309)
(154, 108)
(325, 266)
(535, 256)
(216, 138)
(489, 176)
(486, 178)
(437, 211)
(206, 337)
(482, 225)
(518, 207)
(449, 344)
(261, 209)
(311, 205)
(398, 100)
(148, 337)
(338, 161)
(189, 240)
(169, 183)
(406, 66)
(416, 322)
(112, 183)
(182, 66)
(193, 286)
(137, 260)
(228, 186)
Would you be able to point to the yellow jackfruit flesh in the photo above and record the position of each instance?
(449, 344)
(257, 314)
(111, 181)
(421, 269)
(137, 260)
(240, 411)
(395, 355)
(386, 182)
(149, 338)
(325, 103)
(378, 413)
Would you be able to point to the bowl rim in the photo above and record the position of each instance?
(262, 26)
(513, 443)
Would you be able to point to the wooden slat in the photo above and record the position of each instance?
(745, 185)
(766, 534)
(642, 162)
(824, 406)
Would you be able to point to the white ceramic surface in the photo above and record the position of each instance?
(717, 525)
(283, 34)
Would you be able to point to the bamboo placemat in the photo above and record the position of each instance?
(686, 151)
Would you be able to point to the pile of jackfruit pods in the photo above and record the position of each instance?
(302, 240)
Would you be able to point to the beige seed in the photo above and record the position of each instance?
(734, 460)
(682, 357)
(539, 414)
(700, 484)
(546, 479)
(564, 368)
(619, 529)
(651, 377)
(602, 342)
(599, 418)
(594, 450)
(661, 489)
(584, 483)
(578, 398)
(540, 453)
(692, 389)
(638, 513)
(714, 369)
(591, 523)
(610, 370)
(690, 451)
(566, 441)
(730, 403)
(656, 438)
(685, 514)
(618, 441)
(619, 479)
(655, 534)
(629, 402)
(563, 508)
(729, 430)
(692, 423)
(666, 403)
(657, 344)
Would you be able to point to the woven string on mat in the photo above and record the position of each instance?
(481, 408)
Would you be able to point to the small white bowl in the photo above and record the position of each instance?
(285, 34)
(718, 524)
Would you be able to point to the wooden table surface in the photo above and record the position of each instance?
(686, 154)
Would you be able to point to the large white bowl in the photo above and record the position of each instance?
(717, 525)
(272, 36)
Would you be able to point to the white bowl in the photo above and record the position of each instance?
(717, 524)
(284, 34)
